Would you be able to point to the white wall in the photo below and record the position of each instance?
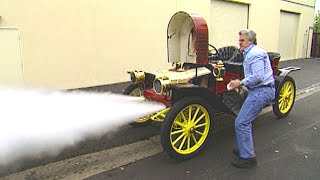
(81, 43)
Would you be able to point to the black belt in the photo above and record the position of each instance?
(262, 86)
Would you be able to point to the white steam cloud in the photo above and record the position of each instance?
(42, 122)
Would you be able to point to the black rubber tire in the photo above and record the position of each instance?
(275, 106)
(127, 91)
(168, 122)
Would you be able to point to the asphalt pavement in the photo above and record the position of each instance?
(287, 148)
(309, 73)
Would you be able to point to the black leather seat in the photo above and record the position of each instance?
(274, 60)
(228, 53)
(231, 57)
(273, 56)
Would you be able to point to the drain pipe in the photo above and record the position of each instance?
(309, 29)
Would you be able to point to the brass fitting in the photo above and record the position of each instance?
(219, 71)
(137, 77)
(177, 66)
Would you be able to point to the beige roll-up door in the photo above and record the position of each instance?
(227, 19)
(288, 35)
(10, 57)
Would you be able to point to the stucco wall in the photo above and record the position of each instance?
(305, 21)
(306, 2)
(79, 43)
(82, 43)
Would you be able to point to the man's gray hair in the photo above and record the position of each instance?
(251, 35)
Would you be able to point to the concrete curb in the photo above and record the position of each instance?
(87, 165)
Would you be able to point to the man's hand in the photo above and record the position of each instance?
(234, 84)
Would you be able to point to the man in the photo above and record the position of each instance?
(259, 80)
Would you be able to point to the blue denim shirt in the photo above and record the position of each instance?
(257, 67)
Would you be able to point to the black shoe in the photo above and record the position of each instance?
(235, 152)
(244, 163)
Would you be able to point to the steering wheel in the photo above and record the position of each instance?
(212, 50)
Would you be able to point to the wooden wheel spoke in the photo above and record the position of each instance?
(195, 114)
(280, 106)
(175, 141)
(179, 124)
(182, 143)
(285, 105)
(289, 93)
(188, 143)
(288, 102)
(183, 116)
(198, 132)
(280, 100)
(177, 132)
(287, 86)
(200, 125)
(196, 122)
(194, 138)
(190, 110)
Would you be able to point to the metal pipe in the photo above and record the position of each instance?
(310, 27)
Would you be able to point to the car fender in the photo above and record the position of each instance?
(281, 74)
(285, 71)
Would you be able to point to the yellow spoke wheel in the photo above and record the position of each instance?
(285, 97)
(134, 90)
(186, 128)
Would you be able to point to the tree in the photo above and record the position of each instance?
(316, 25)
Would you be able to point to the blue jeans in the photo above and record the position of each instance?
(257, 98)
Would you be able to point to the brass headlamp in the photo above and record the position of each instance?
(137, 77)
(219, 71)
(161, 85)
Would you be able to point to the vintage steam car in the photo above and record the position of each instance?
(195, 88)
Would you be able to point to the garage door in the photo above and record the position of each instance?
(10, 57)
(288, 35)
(227, 19)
